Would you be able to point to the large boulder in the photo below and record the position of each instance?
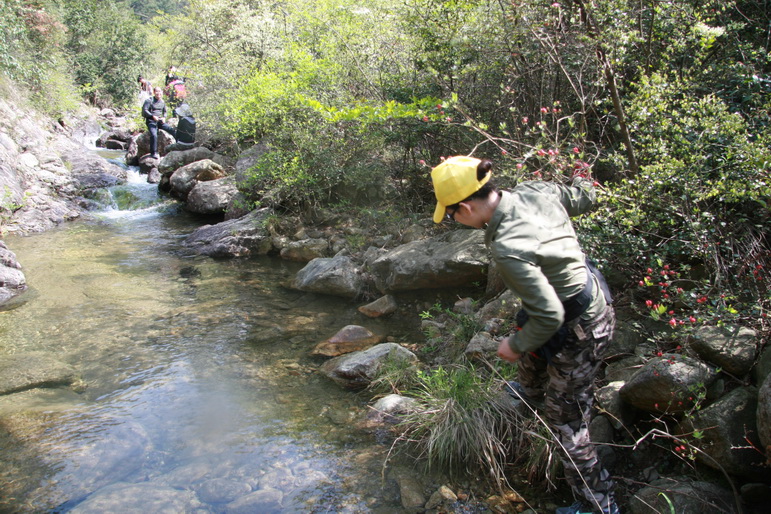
(338, 276)
(240, 237)
(453, 259)
(140, 145)
(246, 160)
(682, 496)
(176, 159)
(184, 179)
(730, 440)
(668, 384)
(731, 348)
(212, 196)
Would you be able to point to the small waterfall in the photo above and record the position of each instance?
(135, 198)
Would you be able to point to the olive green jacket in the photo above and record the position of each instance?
(534, 246)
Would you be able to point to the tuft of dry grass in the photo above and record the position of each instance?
(468, 424)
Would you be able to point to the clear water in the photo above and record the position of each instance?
(197, 386)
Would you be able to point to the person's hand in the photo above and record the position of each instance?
(506, 353)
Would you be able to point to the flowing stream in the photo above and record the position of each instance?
(197, 393)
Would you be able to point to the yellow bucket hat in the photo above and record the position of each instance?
(455, 180)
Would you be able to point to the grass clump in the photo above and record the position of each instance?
(465, 424)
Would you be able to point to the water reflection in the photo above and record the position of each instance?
(197, 393)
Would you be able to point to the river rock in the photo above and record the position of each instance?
(627, 340)
(453, 259)
(442, 498)
(358, 369)
(481, 346)
(504, 305)
(246, 160)
(667, 384)
(176, 159)
(623, 370)
(390, 408)
(237, 207)
(184, 179)
(147, 163)
(12, 279)
(264, 500)
(241, 237)
(762, 368)
(138, 499)
(350, 338)
(686, 497)
(383, 306)
(117, 452)
(305, 250)
(609, 399)
(140, 145)
(338, 276)
(117, 139)
(221, 490)
(730, 440)
(211, 197)
(410, 489)
(180, 146)
(731, 348)
(22, 371)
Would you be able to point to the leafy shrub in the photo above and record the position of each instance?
(701, 196)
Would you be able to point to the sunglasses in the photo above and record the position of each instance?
(451, 215)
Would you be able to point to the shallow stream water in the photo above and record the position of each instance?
(197, 391)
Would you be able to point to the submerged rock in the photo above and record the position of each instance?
(143, 497)
(349, 339)
(22, 371)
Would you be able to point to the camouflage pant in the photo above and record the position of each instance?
(567, 381)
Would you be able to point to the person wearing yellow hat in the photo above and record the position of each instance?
(567, 319)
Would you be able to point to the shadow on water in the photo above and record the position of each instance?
(196, 388)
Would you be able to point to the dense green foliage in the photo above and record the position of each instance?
(66, 50)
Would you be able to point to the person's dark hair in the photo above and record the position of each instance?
(139, 78)
(483, 168)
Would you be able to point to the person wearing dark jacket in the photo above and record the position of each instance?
(567, 320)
(154, 112)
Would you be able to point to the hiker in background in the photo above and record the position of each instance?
(171, 74)
(175, 87)
(186, 125)
(145, 88)
(154, 112)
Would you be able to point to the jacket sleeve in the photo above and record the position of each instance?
(146, 109)
(579, 196)
(539, 299)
